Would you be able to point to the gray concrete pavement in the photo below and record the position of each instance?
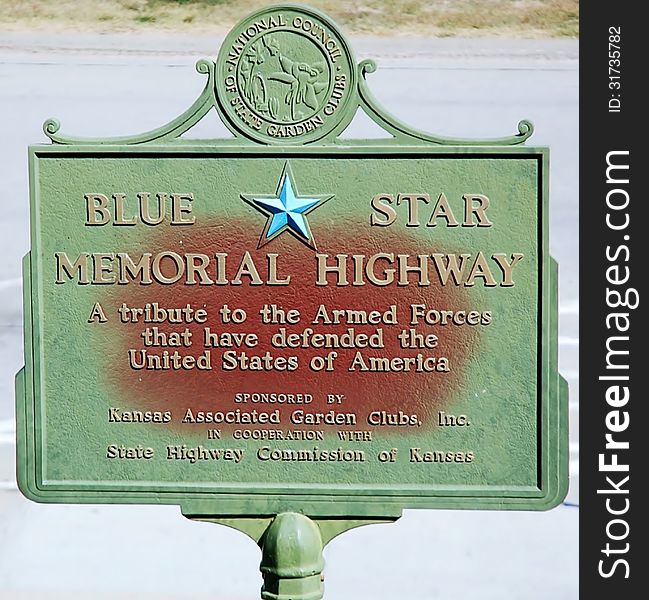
(111, 85)
(167, 45)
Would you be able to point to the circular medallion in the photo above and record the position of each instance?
(285, 74)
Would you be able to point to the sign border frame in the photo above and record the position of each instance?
(552, 406)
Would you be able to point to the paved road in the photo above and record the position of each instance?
(111, 85)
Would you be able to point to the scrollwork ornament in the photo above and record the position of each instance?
(286, 75)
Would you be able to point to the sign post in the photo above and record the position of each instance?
(287, 332)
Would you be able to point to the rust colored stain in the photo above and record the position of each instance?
(214, 390)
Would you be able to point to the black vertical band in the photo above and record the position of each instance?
(614, 446)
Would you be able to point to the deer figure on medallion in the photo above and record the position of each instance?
(283, 89)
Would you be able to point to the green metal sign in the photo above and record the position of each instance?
(288, 321)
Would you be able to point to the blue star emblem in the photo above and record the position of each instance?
(286, 210)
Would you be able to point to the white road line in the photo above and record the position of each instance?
(7, 425)
(9, 283)
(569, 308)
(7, 432)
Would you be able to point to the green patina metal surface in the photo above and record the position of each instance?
(182, 343)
